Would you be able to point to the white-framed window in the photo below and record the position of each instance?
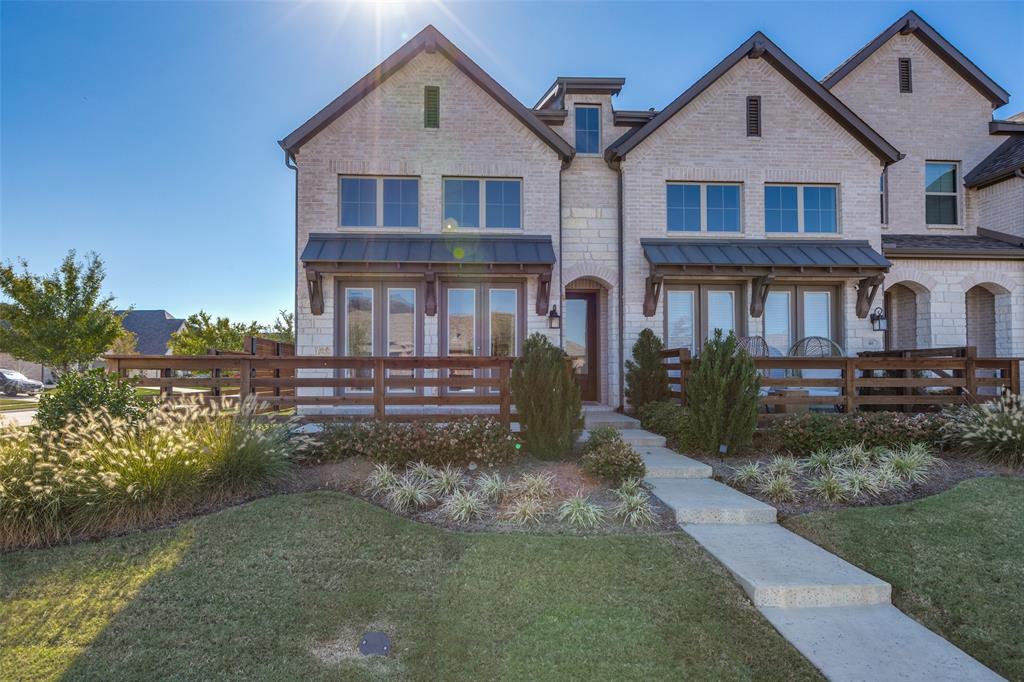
(378, 201)
(941, 193)
(358, 329)
(495, 203)
(694, 311)
(795, 311)
(702, 207)
(801, 208)
(588, 129)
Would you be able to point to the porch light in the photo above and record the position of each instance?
(554, 319)
(878, 321)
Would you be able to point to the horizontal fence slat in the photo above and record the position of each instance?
(900, 382)
(797, 383)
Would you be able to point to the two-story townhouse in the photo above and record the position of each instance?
(437, 215)
(952, 210)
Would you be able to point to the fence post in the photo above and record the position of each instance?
(684, 368)
(505, 377)
(244, 379)
(1015, 376)
(971, 374)
(167, 390)
(378, 388)
(850, 385)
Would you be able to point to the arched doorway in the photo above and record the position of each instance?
(585, 335)
(980, 304)
(907, 309)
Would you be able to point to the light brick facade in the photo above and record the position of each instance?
(577, 203)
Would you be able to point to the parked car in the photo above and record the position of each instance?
(12, 383)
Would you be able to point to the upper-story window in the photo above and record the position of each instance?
(379, 202)
(693, 207)
(502, 205)
(588, 129)
(800, 208)
(940, 193)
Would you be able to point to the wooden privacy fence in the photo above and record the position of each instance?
(372, 385)
(912, 383)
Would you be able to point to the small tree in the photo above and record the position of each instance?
(201, 332)
(646, 376)
(282, 329)
(722, 392)
(61, 320)
(547, 399)
(126, 344)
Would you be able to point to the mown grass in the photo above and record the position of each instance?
(251, 593)
(955, 561)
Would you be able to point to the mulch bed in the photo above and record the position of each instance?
(958, 468)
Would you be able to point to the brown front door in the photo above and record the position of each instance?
(580, 339)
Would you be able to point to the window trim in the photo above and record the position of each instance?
(957, 183)
(379, 206)
(800, 218)
(575, 121)
(699, 291)
(482, 206)
(703, 185)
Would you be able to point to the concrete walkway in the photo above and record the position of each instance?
(838, 616)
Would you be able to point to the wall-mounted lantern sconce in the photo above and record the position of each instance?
(554, 319)
(878, 321)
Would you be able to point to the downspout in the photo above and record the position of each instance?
(622, 294)
(289, 162)
(561, 283)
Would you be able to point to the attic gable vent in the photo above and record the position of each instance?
(431, 106)
(753, 117)
(905, 80)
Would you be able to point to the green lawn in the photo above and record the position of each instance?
(7, 405)
(955, 561)
(249, 593)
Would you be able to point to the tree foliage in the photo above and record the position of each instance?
(646, 376)
(547, 399)
(61, 320)
(126, 344)
(722, 392)
(282, 328)
(201, 332)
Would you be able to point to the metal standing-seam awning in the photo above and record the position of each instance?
(763, 260)
(428, 256)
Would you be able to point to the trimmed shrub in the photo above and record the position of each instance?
(722, 393)
(79, 392)
(669, 420)
(800, 434)
(994, 430)
(481, 440)
(547, 399)
(612, 459)
(646, 376)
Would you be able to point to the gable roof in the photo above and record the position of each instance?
(152, 329)
(758, 46)
(1002, 163)
(428, 40)
(912, 23)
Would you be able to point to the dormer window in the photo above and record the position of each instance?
(906, 82)
(588, 129)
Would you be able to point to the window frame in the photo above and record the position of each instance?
(797, 311)
(576, 109)
(699, 292)
(379, 201)
(482, 204)
(801, 221)
(958, 201)
(703, 229)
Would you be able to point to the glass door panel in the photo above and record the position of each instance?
(681, 327)
(721, 312)
(818, 314)
(778, 322)
(400, 330)
(461, 314)
(580, 340)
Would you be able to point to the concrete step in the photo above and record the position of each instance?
(616, 420)
(638, 438)
(665, 463)
(778, 568)
(862, 643)
(702, 500)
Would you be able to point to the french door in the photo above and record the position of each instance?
(480, 319)
(382, 319)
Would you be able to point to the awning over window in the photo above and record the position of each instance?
(763, 260)
(428, 256)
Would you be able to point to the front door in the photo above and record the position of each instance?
(580, 329)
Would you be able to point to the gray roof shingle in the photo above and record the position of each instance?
(1000, 164)
(765, 253)
(433, 248)
(950, 246)
(152, 329)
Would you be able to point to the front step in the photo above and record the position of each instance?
(615, 420)
(778, 568)
(666, 463)
(638, 438)
(855, 643)
(702, 500)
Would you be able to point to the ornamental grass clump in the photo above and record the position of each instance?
(492, 487)
(380, 480)
(463, 506)
(634, 508)
(579, 512)
(912, 464)
(421, 471)
(524, 511)
(783, 466)
(829, 487)
(860, 482)
(534, 485)
(747, 474)
(993, 431)
(409, 493)
(779, 488)
(447, 480)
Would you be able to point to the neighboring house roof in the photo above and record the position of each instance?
(1004, 162)
(152, 329)
(912, 23)
(759, 46)
(428, 248)
(768, 254)
(987, 244)
(428, 40)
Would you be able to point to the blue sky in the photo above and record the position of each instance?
(147, 131)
